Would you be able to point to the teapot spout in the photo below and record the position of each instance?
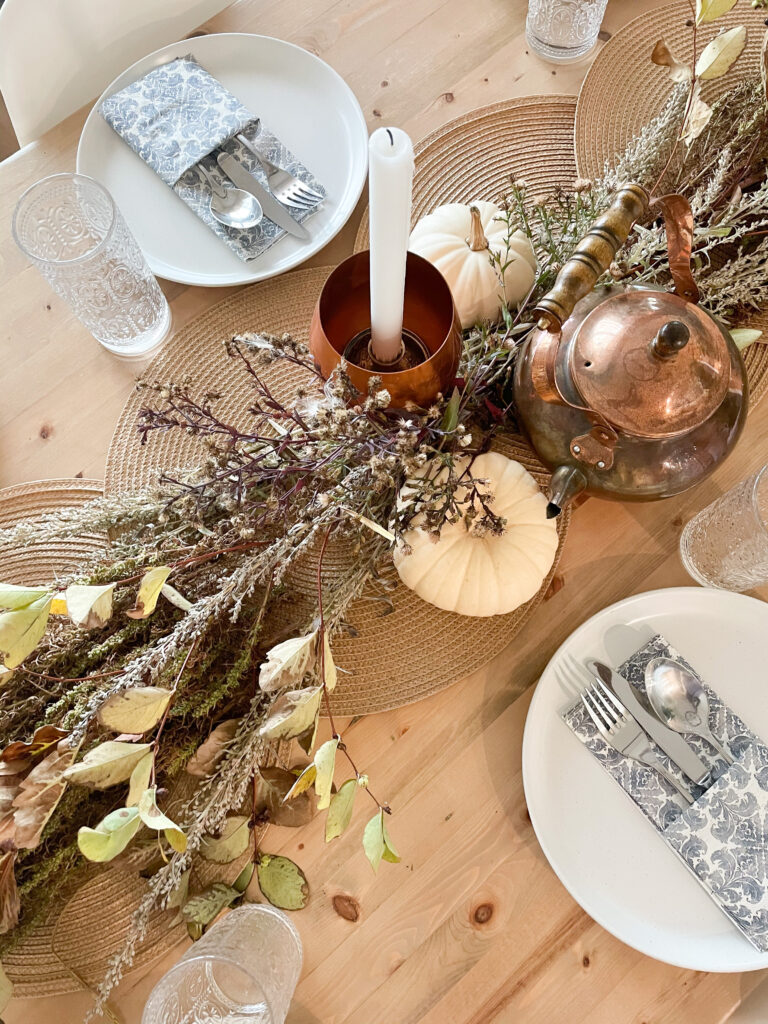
(566, 483)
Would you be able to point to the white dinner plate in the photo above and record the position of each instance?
(607, 855)
(298, 96)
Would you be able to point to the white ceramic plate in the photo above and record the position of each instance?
(298, 96)
(606, 854)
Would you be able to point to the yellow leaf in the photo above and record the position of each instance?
(155, 819)
(340, 811)
(111, 836)
(376, 842)
(21, 630)
(663, 56)
(711, 10)
(89, 607)
(234, 840)
(329, 665)
(288, 662)
(325, 762)
(59, 606)
(302, 783)
(139, 780)
(149, 591)
(293, 713)
(13, 597)
(107, 764)
(718, 55)
(136, 710)
(744, 336)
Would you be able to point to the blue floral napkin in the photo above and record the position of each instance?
(723, 836)
(178, 116)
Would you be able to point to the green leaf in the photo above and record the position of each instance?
(207, 905)
(451, 414)
(171, 594)
(6, 989)
(107, 764)
(155, 819)
(340, 811)
(272, 787)
(664, 58)
(139, 780)
(293, 713)
(243, 880)
(711, 10)
(149, 591)
(282, 882)
(89, 607)
(234, 840)
(22, 629)
(288, 662)
(718, 55)
(136, 710)
(325, 763)
(376, 842)
(111, 836)
(302, 783)
(13, 597)
(743, 336)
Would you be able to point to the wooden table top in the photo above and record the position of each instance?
(473, 927)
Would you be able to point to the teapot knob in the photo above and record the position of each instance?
(671, 338)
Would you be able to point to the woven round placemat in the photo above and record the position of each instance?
(474, 156)
(399, 648)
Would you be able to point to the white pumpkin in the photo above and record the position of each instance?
(459, 239)
(492, 574)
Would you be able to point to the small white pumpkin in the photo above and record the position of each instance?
(459, 239)
(489, 575)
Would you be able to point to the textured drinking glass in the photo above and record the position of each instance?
(726, 544)
(242, 971)
(69, 227)
(563, 30)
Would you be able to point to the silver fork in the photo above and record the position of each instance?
(619, 728)
(284, 186)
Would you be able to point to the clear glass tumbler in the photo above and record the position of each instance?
(726, 544)
(563, 30)
(69, 228)
(242, 971)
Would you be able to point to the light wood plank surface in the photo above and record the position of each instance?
(473, 927)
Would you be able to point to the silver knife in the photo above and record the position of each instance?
(274, 210)
(672, 743)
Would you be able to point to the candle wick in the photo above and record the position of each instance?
(391, 136)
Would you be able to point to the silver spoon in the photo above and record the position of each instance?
(233, 207)
(680, 701)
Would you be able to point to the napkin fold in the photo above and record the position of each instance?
(178, 116)
(723, 836)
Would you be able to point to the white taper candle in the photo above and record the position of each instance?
(390, 179)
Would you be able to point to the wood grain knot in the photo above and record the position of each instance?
(346, 906)
(557, 584)
(585, 961)
(483, 913)
(377, 113)
(45, 431)
(448, 97)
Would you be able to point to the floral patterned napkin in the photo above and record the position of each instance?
(723, 836)
(176, 117)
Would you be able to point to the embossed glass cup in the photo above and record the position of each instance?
(563, 30)
(242, 971)
(726, 544)
(70, 229)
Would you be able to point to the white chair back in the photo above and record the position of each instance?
(55, 55)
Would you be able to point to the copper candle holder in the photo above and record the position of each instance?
(430, 326)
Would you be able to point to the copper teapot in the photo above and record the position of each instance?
(627, 391)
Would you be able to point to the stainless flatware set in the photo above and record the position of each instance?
(679, 703)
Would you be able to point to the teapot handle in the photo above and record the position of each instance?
(678, 221)
(592, 256)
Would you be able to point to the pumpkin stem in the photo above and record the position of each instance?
(477, 239)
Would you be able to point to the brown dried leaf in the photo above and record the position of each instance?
(664, 58)
(38, 795)
(10, 905)
(698, 118)
(273, 786)
(207, 755)
(41, 744)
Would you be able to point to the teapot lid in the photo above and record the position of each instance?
(650, 363)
